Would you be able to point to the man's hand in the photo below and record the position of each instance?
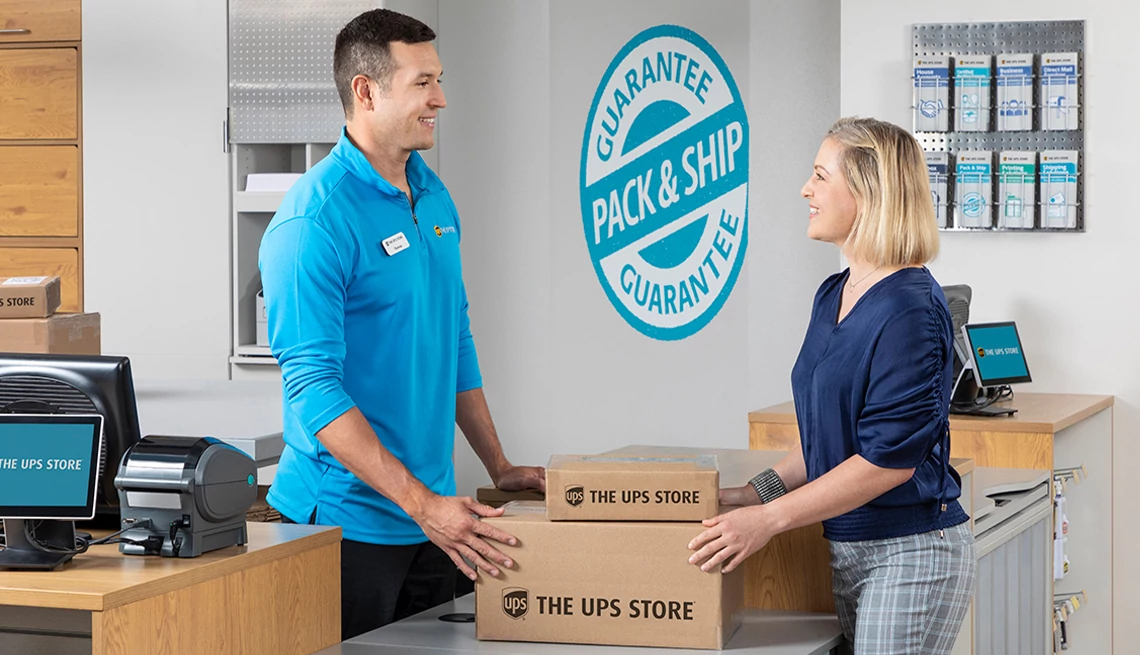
(732, 537)
(739, 496)
(448, 522)
(518, 478)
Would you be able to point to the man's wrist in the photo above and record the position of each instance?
(416, 501)
(499, 470)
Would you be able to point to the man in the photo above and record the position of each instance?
(368, 320)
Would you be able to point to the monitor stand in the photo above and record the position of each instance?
(20, 553)
(992, 410)
(964, 398)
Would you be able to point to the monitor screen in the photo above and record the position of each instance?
(998, 357)
(49, 465)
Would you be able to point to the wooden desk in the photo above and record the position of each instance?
(1049, 431)
(280, 593)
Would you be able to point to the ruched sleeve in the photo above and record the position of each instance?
(903, 417)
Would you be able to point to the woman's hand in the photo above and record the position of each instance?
(732, 537)
(739, 496)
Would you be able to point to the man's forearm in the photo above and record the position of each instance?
(474, 419)
(852, 484)
(354, 444)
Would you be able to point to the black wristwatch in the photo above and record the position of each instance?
(768, 486)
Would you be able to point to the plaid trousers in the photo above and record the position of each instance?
(906, 595)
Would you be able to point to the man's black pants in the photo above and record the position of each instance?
(382, 584)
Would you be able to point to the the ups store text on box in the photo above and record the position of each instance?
(622, 488)
(604, 582)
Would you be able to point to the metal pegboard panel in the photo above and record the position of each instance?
(281, 73)
(955, 141)
(940, 39)
(1032, 37)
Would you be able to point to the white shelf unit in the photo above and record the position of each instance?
(251, 214)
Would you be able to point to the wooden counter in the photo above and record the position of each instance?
(280, 593)
(1024, 440)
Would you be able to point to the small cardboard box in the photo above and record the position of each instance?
(64, 334)
(631, 488)
(29, 297)
(615, 583)
(494, 497)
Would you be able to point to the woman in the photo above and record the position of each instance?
(872, 392)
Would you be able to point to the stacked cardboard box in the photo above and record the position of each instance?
(604, 560)
(29, 324)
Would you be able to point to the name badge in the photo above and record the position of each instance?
(395, 243)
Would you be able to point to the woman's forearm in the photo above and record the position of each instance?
(852, 484)
(792, 470)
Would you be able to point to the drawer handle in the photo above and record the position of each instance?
(19, 30)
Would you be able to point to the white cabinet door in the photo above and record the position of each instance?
(156, 193)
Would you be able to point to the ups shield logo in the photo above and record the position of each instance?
(575, 495)
(516, 601)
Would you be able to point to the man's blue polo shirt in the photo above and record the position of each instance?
(355, 322)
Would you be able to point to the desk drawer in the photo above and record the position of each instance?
(39, 93)
(39, 191)
(63, 262)
(39, 20)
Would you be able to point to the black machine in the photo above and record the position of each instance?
(184, 496)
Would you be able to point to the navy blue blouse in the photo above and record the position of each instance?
(877, 384)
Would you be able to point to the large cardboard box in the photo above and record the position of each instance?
(29, 297)
(604, 582)
(631, 488)
(64, 334)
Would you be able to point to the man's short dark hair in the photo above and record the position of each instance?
(362, 48)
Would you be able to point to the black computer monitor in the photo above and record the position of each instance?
(79, 384)
(49, 466)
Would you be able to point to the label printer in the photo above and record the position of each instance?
(184, 496)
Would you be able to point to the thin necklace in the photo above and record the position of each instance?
(851, 285)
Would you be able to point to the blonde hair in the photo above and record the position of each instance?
(895, 223)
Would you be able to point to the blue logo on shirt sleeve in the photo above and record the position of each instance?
(664, 182)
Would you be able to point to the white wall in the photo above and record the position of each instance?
(155, 191)
(794, 99)
(563, 372)
(1072, 295)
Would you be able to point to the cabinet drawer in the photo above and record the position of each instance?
(39, 191)
(39, 93)
(39, 20)
(63, 262)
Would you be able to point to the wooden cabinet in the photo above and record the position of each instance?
(39, 93)
(37, 21)
(41, 143)
(40, 193)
